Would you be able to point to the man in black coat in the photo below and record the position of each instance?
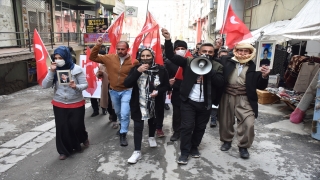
(240, 97)
(197, 93)
(180, 48)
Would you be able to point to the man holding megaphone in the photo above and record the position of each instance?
(202, 77)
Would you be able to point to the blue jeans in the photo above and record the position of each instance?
(120, 101)
(213, 115)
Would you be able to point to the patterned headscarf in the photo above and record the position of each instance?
(152, 53)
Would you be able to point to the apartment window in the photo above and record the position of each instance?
(251, 3)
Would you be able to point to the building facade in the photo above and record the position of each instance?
(57, 21)
(206, 17)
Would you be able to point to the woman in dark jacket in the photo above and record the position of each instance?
(149, 81)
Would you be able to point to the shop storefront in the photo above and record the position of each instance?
(37, 15)
(7, 24)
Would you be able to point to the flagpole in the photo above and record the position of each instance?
(147, 8)
(224, 22)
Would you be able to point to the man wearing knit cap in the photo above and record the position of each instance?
(240, 97)
(180, 48)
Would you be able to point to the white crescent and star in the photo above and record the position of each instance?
(115, 32)
(38, 46)
(232, 20)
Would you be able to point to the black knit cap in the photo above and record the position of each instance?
(179, 43)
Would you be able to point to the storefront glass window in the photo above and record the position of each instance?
(65, 19)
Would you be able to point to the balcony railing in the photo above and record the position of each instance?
(25, 39)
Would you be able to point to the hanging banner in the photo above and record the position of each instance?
(96, 25)
(91, 38)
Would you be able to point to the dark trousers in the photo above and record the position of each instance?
(137, 133)
(176, 118)
(94, 104)
(110, 109)
(70, 129)
(194, 118)
(160, 113)
(213, 115)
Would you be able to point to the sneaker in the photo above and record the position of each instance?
(166, 107)
(160, 133)
(123, 139)
(175, 136)
(115, 125)
(195, 152)
(225, 146)
(94, 114)
(135, 157)
(244, 153)
(86, 143)
(104, 111)
(183, 159)
(110, 118)
(62, 157)
(213, 124)
(152, 142)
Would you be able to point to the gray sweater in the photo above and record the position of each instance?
(64, 93)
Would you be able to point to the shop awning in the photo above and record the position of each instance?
(267, 29)
(304, 26)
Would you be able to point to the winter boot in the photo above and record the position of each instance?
(123, 139)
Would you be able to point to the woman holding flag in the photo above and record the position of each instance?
(68, 103)
(149, 81)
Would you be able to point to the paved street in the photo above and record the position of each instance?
(281, 150)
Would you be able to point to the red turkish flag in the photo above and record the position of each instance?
(40, 54)
(235, 29)
(179, 73)
(149, 37)
(114, 32)
(90, 75)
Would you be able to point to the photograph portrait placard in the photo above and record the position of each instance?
(265, 54)
(64, 77)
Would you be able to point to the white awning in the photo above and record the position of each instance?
(267, 29)
(304, 26)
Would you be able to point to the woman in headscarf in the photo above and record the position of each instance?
(68, 103)
(149, 82)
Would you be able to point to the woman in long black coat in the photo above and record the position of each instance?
(149, 81)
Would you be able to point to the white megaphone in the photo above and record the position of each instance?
(201, 65)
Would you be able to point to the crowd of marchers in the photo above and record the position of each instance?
(137, 89)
